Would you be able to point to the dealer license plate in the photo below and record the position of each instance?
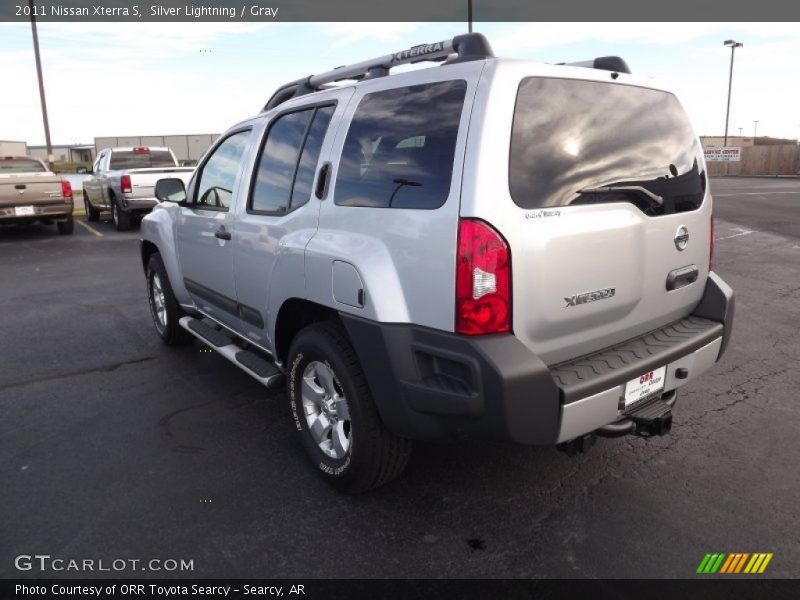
(649, 384)
(23, 211)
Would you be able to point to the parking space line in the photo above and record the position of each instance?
(757, 193)
(740, 230)
(89, 228)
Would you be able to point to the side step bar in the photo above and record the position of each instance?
(219, 340)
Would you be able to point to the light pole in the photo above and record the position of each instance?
(733, 45)
(740, 132)
(755, 131)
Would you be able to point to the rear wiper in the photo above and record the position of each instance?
(636, 189)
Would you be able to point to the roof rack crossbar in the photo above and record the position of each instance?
(470, 46)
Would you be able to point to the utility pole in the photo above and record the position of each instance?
(469, 15)
(740, 132)
(755, 131)
(32, 6)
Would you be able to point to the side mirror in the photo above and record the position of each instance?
(171, 190)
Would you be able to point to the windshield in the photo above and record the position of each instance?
(571, 137)
(21, 165)
(140, 159)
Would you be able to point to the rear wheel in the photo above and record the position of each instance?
(164, 308)
(122, 219)
(335, 415)
(92, 214)
(66, 227)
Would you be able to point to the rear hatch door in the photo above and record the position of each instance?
(609, 185)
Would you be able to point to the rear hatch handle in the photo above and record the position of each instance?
(636, 189)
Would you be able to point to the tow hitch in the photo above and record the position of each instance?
(651, 417)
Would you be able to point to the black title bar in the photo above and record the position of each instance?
(394, 10)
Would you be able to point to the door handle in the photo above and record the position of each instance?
(221, 234)
(681, 277)
(321, 190)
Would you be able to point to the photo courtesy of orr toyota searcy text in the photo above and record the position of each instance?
(159, 591)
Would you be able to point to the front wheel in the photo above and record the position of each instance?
(164, 307)
(335, 415)
(92, 214)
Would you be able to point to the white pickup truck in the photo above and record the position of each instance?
(123, 181)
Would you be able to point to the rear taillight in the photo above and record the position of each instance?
(125, 184)
(711, 243)
(66, 189)
(483, 280)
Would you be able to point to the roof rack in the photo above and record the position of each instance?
(606, 63)
(470, 46)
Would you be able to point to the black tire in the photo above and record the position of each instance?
(66, 227)
(170, 331)
(121, 219)
(92, 214)
(375, 455)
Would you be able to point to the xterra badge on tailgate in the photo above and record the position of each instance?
(578, 299)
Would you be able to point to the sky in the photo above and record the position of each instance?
(120, 79)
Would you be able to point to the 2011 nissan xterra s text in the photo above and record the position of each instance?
(487, 248)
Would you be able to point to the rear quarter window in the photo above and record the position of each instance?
(400, 147)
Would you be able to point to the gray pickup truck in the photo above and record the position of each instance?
(123, 182)
(30, 193)
(486, 248)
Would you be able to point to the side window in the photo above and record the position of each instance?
(218, 176)
(400, 147)
(289, 159)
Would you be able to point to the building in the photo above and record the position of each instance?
(72, 153)
(715, 141)
(187, 148)
(9, 148)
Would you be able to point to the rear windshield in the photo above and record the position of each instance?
(132, 159)
(20, 165)
(570, 137)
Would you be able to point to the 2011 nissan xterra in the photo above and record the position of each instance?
(485, 248)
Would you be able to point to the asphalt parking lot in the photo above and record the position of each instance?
(115, 446)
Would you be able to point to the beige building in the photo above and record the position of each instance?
(9, 148)
(715, 141)
(73, 153)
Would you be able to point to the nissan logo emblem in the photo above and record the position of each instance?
(681, 237)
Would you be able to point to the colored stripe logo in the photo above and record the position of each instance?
(733, 563)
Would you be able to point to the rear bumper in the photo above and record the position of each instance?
(138, 204)
(51, 210)
(434, 385)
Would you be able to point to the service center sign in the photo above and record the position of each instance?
(723, 154)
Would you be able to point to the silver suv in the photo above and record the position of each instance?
(484, 248)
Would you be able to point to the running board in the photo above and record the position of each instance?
(251, 363)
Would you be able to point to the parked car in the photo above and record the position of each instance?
(486, 248)
(30, 193)
(123, 180)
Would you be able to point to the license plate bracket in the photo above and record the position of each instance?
(645, 386)
(24, 211)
